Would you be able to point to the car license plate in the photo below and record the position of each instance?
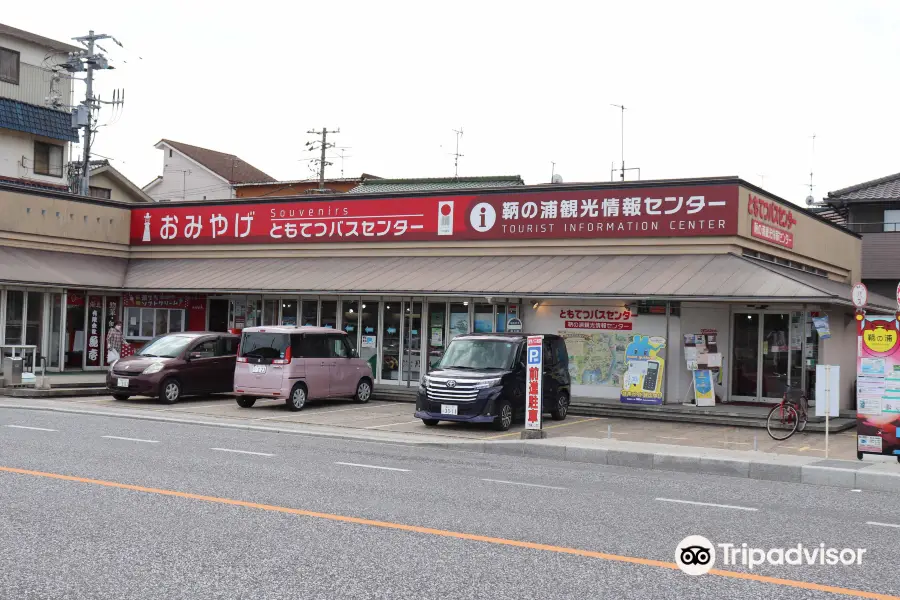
(449, 409)
(122, 382)
(259, 368)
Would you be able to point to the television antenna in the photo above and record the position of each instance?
(456, 155)
(622, 170)
(811, 199)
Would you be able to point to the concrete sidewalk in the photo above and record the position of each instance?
(874, 473)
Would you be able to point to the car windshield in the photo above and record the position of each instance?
(261, 344)
(480, 354)
(168, 346)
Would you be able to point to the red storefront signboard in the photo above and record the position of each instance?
(603, 213)
(762, 231)
(112, 315)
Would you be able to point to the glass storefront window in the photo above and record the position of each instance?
(75, 316)
(368, 325)
(412, 347)
(310, 316)
(350, 320)
(811, 358)
(329, 313)
(34, 320)
(288, 312)
(745, 362)
(55, 330)
(390, 341)
(437, 313)
(775, 354)
(459, 320)
(501, 318)
(162, 321)
(175, 320)
(15, 308)
(484, 318)
(270, 312)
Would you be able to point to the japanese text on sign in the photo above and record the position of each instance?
(535, 362)
(595, 314)
(771, 234)
(598, 325)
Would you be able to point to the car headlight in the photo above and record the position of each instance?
(153, 368)
(423, 383)
(487, 383)
(112, 364)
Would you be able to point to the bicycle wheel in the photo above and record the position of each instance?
(782, 422)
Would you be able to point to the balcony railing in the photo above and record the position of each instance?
(879, 227)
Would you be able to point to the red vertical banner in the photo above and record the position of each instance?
(95, 314)
(535, 366)
(112, 315)
(196, 318)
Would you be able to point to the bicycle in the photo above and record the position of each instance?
(789, 416)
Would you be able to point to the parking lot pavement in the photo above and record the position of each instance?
(398, 417)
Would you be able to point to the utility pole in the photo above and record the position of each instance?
(323, 146)
(91, 61)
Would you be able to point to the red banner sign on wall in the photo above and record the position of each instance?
(156, 300)
(771, 234)
(602, 213)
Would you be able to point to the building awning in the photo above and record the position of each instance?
(675, 277)
(60, 269)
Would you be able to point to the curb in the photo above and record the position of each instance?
(884, 477)
(763, 466)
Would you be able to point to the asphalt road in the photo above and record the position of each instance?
(220, 513)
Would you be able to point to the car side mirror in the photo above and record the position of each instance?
(354, 354)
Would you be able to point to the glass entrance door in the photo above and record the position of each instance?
(766, 355)
(412, 343)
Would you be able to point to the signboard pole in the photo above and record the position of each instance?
(534, 401)
(827, 405)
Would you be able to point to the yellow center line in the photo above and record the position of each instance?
(455, 534)
(503, 435)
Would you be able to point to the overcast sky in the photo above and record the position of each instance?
(717, 88)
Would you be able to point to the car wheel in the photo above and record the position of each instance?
(170, 391)
(562, 407)
(363, 391)
(245, 401)
(121, 396)
(504, 417)
(430, 422)
(297, 400)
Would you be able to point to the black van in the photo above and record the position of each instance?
(481, 379)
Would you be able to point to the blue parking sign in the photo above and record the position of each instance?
(534, 355)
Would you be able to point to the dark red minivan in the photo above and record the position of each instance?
(175, 365)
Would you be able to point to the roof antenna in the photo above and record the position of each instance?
(810, 200)
(456, 155)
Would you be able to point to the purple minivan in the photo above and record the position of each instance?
(296, 364)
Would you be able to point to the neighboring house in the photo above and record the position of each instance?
(194, 173)
(426, 184)
(872, 209)
(300, 187)
(35, 122)
(107, 183)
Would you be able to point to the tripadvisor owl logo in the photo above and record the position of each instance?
(695, 555)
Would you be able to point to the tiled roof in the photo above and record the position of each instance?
(885, 188)
(436, 183)
(37, 120)
(227, 166)
(41, 185)
(838, 217)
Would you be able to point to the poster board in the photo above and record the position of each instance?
(704, 390)
(878, 386)
(645, 371)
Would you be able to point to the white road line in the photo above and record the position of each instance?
(391, 424)
(664, 437)
(242, 451)
(537, 485)
(223, 402)
(115, 437)
(877, 524)
(32, 428)
(346, 464)
(747, 508)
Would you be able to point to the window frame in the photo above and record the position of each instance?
(139, 312)
(343, 341)
(893, 225)
(18, 59)
(49, 171)
(107, 192)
